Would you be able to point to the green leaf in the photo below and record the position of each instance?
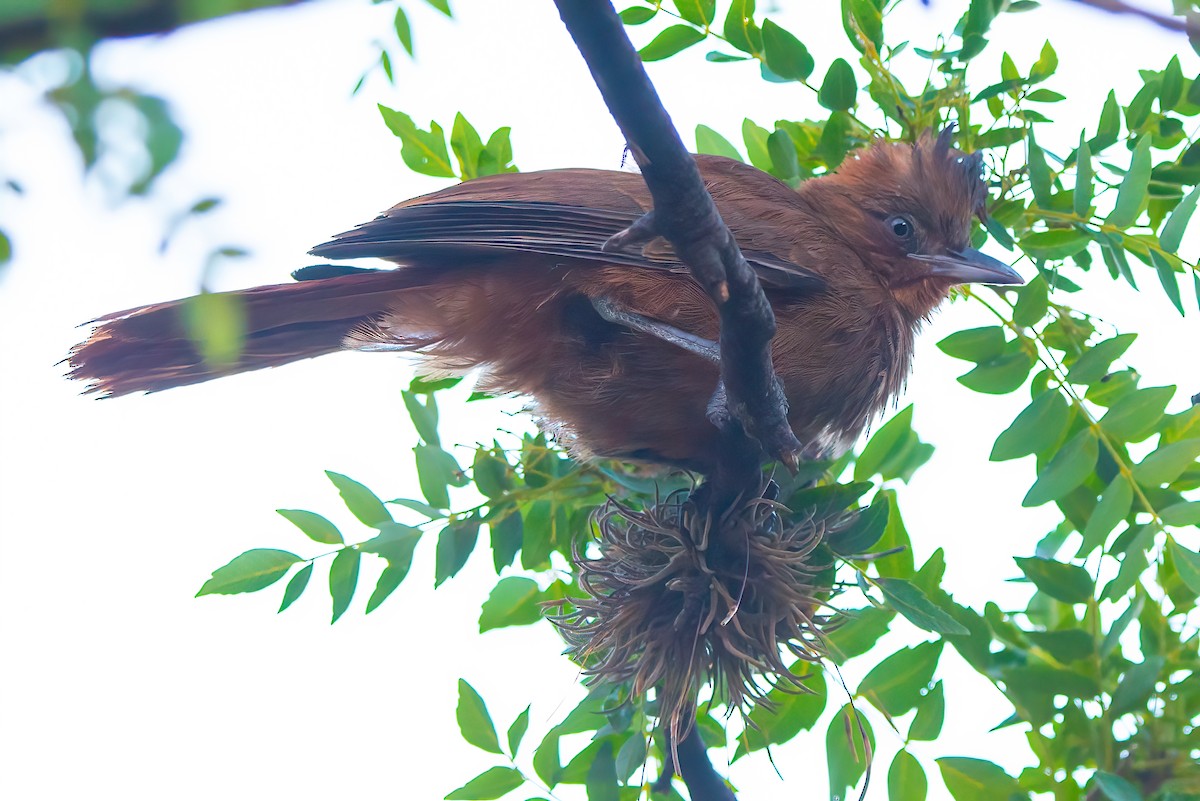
(496, 158)
(857, 632)
(1033, 300)
(391, 578)
(423, 151)
(395, 543)
(1182, 514)
(435, 470)
(637, 15)
(419, 506)
(631, 756)
(1114, 787)
(895, 537)
(1037, 427)
(441, 5)
(1066, 645)
(700, 13)
(314, 526)
(512, 602)
(907, 599)
(1135, 416)
(894, 685)
(295, 587)
(849, 743)
(1172, 232)
(839, 87)
(740, 30)
(671, 41)
(424, 416)
(785, 163)
(710, 142)
(474, 722)
(867, 16)
(361, 502)
(343, 579)
(403, 30)
(866, 529)
(1110, 124)
(1134, 191)
(1167, 463)
(1168, 279)
(974, 344)
(5, 249)
(1170, 91)
(491, 784)
(468, 148)
(546, 761)
(1055, 245)
(1067, 470)
(1067, 583)
(1001, 375)
(516, 732)
(491, 473)
(931, 712)
(792, 713)
(970, 779)
(906, 779)
(507, 533)
(215, 322)
(884, 445)
(601, 779)
(1039, 174)
(1085, 177)
(454, 547)
(249, 572)
(1113, 507)
(1095, 362)
(755, 137)
(1187, 564)
(1136, 686)
(1045, 66)
(785, 55)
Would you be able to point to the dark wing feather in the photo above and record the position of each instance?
(408, 233)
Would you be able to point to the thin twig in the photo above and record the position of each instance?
(1186, 25)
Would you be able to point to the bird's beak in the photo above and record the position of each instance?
(969, 266)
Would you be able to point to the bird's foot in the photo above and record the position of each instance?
(643, 231)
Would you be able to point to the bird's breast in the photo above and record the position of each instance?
(841, 363)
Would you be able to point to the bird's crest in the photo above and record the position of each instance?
(930, 176)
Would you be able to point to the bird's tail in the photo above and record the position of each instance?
(149, 348)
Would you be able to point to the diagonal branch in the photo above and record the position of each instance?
(749, 406)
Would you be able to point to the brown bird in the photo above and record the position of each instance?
(509, 274)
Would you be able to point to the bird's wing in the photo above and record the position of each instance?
(498, 215)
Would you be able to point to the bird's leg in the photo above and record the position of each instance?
(667, 333)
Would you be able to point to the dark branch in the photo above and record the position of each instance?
(755, 409)
(703, 783)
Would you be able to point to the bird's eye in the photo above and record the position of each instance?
(901, 227)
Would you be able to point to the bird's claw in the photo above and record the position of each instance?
(642, 232)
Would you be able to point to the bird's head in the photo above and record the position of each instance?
(908, 210)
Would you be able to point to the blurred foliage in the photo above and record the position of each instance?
(1099, 666)
(122, 134)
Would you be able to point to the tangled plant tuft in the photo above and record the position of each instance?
(676, 597)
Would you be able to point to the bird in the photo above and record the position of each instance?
(509, 275)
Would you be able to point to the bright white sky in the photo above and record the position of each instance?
(115, 681)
